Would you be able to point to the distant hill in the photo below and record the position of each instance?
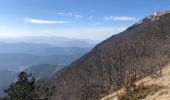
(132, 54)
(13, 55)
(44, 59)
(43, 70)
(37, 71)
(23, 47)
(14, 61)
(56, 41)
(40, 49)
(7, 77)
(64, 51)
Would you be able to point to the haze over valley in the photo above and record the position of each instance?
(40, 57)
(84, 50)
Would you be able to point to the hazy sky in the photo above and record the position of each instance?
(87, 19)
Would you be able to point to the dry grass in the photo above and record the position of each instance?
(161, 95)
(140, 92)
(156, 94)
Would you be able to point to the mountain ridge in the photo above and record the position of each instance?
(111, 63)
(55, 41)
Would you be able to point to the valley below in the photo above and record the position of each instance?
(40, 60)
(84, 50)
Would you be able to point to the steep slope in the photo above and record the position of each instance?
(163, 80)
(140, 50)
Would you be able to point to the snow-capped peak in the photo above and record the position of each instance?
(155, 16)
(155, 13)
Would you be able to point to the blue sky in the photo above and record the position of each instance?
(82, 19)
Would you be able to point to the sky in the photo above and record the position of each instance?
(81, 19)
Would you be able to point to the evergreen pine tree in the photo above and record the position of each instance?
(22, 89)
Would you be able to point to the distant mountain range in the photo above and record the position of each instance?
(56, 41)
(23, 48)
(14, 55)
(40, 56)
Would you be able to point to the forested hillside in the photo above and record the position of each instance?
(130, 55)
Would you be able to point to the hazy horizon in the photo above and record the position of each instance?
(93, 20)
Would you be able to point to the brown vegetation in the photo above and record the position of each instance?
(131, 55)
(140, 92)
